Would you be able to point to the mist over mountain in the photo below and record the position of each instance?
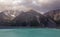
(41, 6)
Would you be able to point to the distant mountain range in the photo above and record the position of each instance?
(32, 18)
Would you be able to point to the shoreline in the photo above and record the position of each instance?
(18, 27)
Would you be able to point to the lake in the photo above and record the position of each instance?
(30, 32)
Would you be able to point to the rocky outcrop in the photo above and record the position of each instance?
(33, 19)
(54, 15)
(26, 19)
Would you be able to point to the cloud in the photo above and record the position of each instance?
(42, 5)
(50, 5)
(39, 5)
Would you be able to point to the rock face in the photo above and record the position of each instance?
(33, 19)
(54, 15)
(27, 19)
(4, 20)
(30, 18)
(6, 17)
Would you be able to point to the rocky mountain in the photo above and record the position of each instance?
(33, 19)
(54, 15)
(30, 18)
(7, 16)
(2, 19)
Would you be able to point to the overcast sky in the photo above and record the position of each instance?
(39, 5)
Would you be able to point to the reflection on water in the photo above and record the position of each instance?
(30, 32)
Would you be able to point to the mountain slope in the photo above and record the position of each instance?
(33, 18)
(54, 15)
(30, 18)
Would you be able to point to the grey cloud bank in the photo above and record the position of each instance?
(39, 5)
(45, 5)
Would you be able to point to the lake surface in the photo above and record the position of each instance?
(30, 32)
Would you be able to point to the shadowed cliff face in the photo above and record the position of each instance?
(9, 14)
(30, 18)
(33, 19)
(54, 15)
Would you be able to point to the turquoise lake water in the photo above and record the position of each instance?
(30, 32)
